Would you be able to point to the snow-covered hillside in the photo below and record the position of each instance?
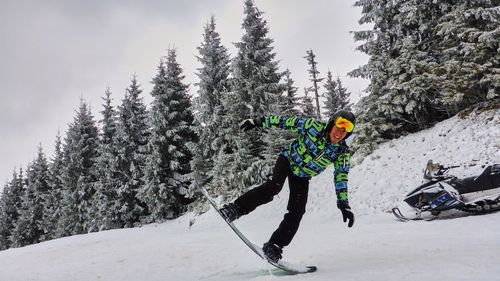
(377, 248)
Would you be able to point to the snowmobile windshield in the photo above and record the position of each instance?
(343, 123)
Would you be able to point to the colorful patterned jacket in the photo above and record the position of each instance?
(312, 152)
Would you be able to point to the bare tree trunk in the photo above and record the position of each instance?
(313, 71)
(318, 111)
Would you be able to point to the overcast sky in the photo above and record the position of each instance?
(54, 52)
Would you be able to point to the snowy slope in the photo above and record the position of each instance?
(376, 248)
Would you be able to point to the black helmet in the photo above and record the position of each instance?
(344, 114)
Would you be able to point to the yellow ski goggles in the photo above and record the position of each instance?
(343, 123)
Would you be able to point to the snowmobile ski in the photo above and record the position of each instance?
(283, 265)
(397, 213)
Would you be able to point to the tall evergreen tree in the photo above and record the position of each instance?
(308, 109)
(79, 173)
(106, 203)
(255, 92)
(428, 60)
(5, 224)
(53, 197)
(402, 97)
(292, 102)
(337, 97)
(168, 172)
(29, 227)
(467, 44)
(214, 83)
(132, 140)
(315, 79)
(10, 207)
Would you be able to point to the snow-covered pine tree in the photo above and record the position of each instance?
(29, 227)
(224, 161)
(287, 104)
(210, 112)
(401, 95)
(368, 136)
(314, 78)
(467, 44)
(337, 97)
(275, 139)
(79, 173)
(131, 138)
(168, 174)
(105, 201)
(10, 206)
(291, 101)
(371, 122)
(5, 225)
(308, 109)
(428, 60)
(52, 198)
(410, 91)
(255, 92)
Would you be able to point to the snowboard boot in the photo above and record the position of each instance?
(231, 212)
(272, 251)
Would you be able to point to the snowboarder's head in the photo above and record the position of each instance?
(340, 126)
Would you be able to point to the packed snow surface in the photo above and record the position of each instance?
(456, 247)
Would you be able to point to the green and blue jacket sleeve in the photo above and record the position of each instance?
(340, 174)
(292, 123)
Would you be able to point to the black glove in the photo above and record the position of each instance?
(346, 212)
(249, 124)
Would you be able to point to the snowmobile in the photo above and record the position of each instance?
(442, 191)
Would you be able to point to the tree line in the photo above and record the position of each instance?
(139, 164)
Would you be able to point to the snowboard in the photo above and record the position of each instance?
(283, 265)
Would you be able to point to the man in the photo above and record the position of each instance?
(317, 146)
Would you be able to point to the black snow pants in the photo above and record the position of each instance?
(264, 194)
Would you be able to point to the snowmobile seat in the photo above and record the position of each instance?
(486, 180)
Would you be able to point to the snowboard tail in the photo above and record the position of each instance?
(283, 265)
